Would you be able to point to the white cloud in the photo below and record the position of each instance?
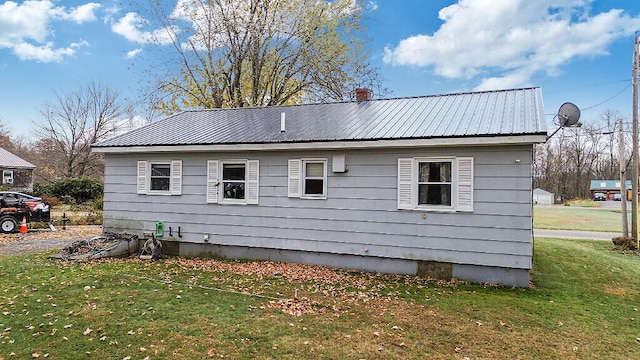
(83, 13)
(42, 53)
(127, 124)
(109, 13)
(26, 29)
(131, 54)
(509, 41)
(27, 21)
(131, 28)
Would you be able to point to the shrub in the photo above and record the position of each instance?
(73, 190)
(98, 204)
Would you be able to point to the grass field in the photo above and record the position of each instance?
(584, 305)
(577, 218)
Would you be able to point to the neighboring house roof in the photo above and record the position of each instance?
(538, 191)
(495, 114)
(9, 160)
(608, 184)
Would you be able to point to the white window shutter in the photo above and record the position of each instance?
(464, 201)
(142, 177)
(253, 175)
(295, 178)
(212, 181)
(176, 177)
(405, 184)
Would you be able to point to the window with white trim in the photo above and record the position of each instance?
(307, 178)
(159, 177)
(435, 183)
(233, 181)
(7, 176)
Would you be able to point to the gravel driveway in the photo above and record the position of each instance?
(45, 240)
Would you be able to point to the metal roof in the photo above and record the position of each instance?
(538, 191)
(608, 184)
(488, 113)
(9, 160)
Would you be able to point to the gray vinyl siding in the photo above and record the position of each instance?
(359, 216)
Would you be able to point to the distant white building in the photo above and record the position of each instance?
(542, 196)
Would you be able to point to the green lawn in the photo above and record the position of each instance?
(583, 305)
(577, 218)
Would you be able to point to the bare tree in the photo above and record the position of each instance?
(5, 140)
(232, 53)
(74, 121)
(568, 162)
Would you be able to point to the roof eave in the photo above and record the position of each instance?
(332, 145)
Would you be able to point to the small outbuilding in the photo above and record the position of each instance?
(542, 196)
(17, 173)
(433, 185)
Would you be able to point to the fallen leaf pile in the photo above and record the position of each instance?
(297, 307)
(312, 289)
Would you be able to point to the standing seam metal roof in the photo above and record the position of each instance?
(487, 113)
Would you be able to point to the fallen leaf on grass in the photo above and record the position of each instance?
(297, 307)
(87, 332)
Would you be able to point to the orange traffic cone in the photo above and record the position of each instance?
(23, 226)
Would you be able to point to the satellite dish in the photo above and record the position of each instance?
(568, 114)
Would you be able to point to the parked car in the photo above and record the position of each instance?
(617, 197)
(13, 199)
(599, 197)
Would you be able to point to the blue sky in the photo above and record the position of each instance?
(575, 50)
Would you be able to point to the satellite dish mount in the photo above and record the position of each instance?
(568, 116)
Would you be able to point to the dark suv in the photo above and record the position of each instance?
(599, 197)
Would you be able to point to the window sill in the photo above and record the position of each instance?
(158, 193)
(443, 209)
(228, 202)
(308, 197)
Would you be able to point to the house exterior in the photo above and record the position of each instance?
(541, 196)
(17, 173)
(433, 185)
(609, 188)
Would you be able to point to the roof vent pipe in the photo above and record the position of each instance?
(282, 122)
(363, 94)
